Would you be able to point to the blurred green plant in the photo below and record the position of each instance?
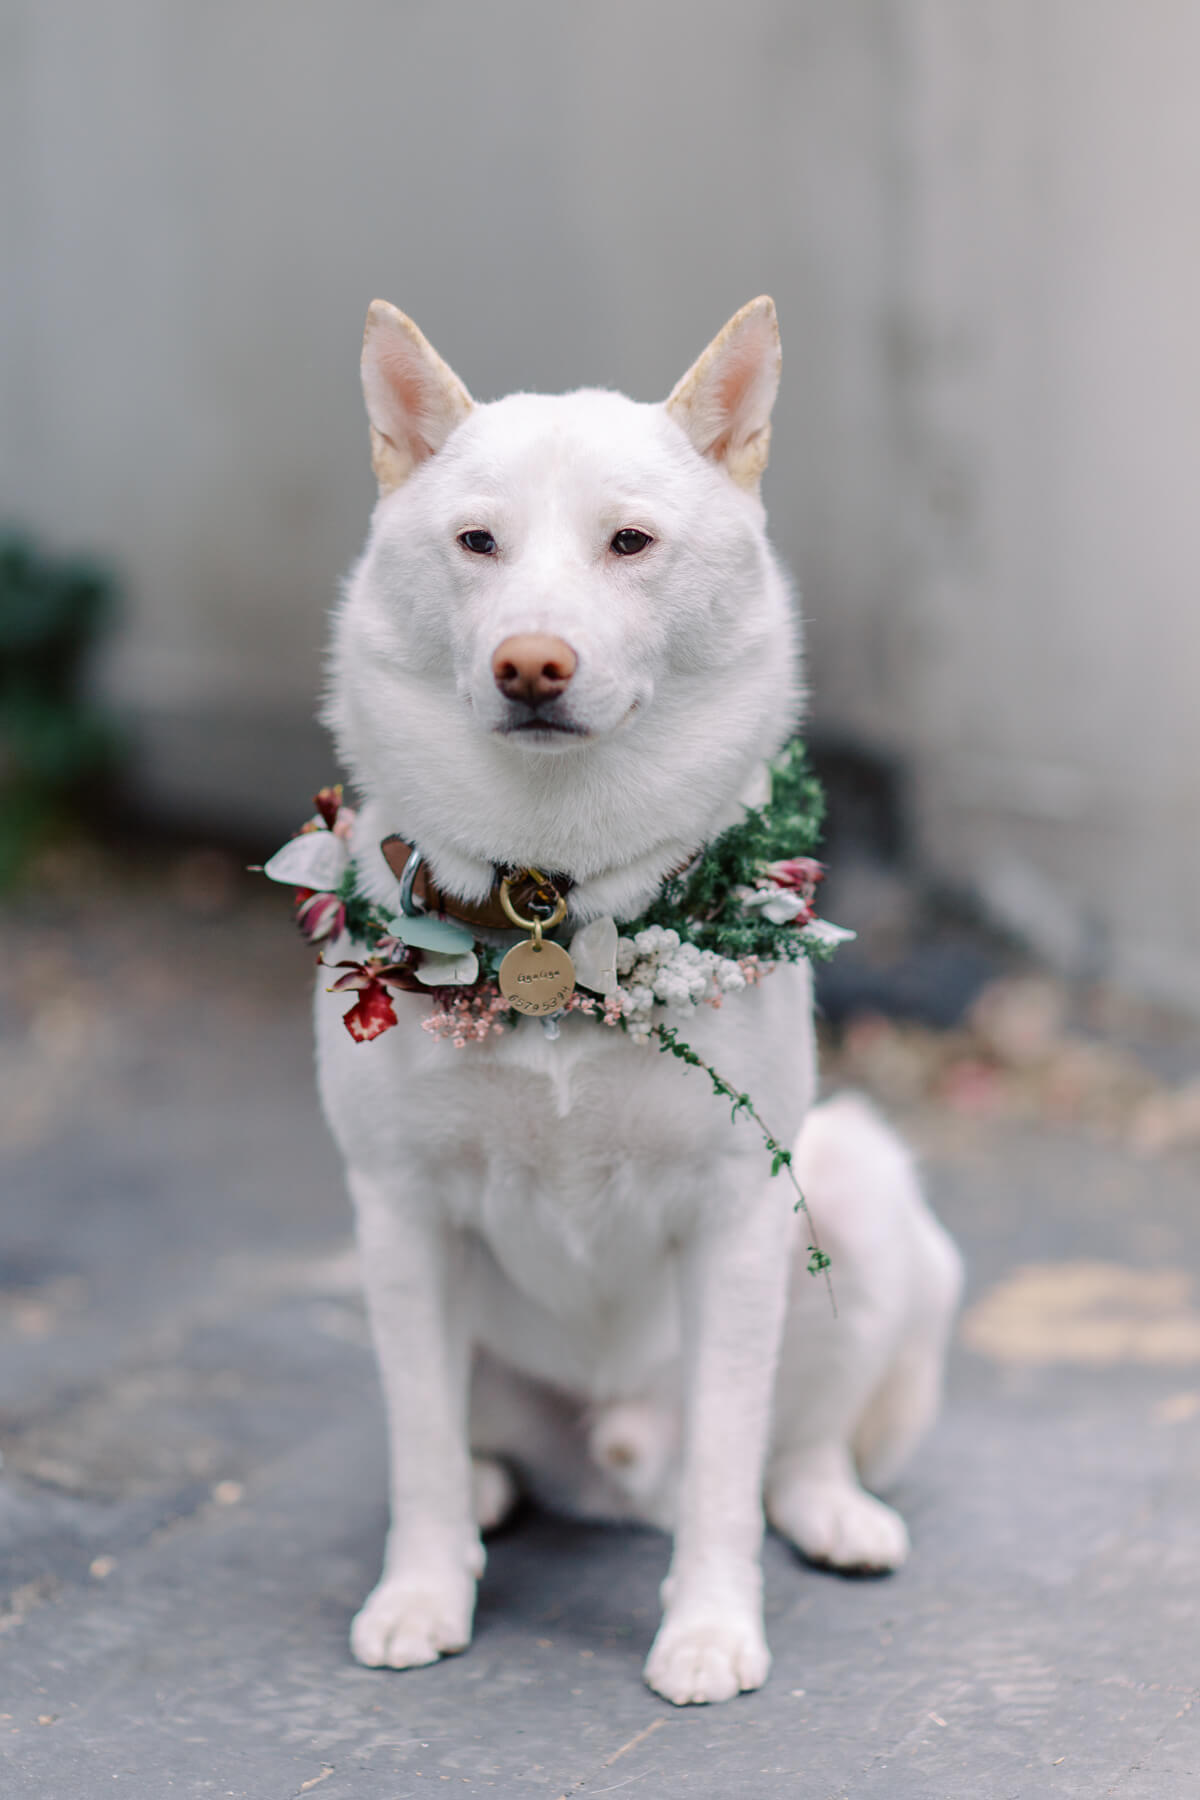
(58, 750)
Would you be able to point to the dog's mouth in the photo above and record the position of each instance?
(539, 727)
(548, 723)
(544, 730)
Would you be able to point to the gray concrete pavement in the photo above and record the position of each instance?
(191, 1504)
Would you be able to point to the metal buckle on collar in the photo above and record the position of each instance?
(410, 906)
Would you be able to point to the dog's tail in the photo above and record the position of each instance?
(902, 1276)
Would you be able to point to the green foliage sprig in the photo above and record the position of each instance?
(701, 903)
(364, 923)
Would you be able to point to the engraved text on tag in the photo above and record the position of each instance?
(537, 978)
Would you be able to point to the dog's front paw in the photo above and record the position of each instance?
(696, 1660)
(411, 1619)
(839, 1526)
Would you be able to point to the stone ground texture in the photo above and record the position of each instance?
(192, 1506)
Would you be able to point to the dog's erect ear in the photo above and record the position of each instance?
(724, 401)
(413, 400)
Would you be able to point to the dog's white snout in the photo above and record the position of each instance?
(533, 666)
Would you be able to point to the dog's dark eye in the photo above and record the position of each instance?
(629, 541)
(480, 543)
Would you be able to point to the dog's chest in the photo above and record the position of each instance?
(572, 1166)
(573, 1153)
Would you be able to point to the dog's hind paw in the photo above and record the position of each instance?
(408, 1621)
(838, 1526)
(700, 1660)
(494, 1493)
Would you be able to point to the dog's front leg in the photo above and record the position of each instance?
(424, 1603)
(734, 1273)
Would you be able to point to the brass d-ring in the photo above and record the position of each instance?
(537, 926)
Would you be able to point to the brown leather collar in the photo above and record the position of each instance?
(524, 891)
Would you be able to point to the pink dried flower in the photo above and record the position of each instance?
(799, 872)
(468, 1017)
(319, 916)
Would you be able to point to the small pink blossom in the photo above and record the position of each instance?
(466, 1017)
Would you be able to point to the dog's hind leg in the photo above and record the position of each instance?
(494, 1492)
(906, 1402)
(855, 1393)
(588, 1462)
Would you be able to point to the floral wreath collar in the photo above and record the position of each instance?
(742, 906)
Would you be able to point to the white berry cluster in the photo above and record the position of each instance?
(656, 967)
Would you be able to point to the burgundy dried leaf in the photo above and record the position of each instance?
(359, 977)
(398, 974)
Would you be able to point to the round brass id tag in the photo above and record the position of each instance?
(537, 978)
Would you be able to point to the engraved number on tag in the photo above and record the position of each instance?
(537, 977)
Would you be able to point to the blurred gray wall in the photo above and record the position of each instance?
(981, 221)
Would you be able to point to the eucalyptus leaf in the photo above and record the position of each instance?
(429, 931)
(436, 970)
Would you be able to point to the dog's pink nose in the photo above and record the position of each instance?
(533, 666)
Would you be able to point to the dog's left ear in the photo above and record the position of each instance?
(414, 400)
(724, 401)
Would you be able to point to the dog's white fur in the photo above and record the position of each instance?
(581, 1277)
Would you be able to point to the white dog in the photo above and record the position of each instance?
(568, 647)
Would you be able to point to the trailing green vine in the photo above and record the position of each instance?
(670, 1043)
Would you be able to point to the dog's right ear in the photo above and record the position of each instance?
(414, 400)
(724, 401)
